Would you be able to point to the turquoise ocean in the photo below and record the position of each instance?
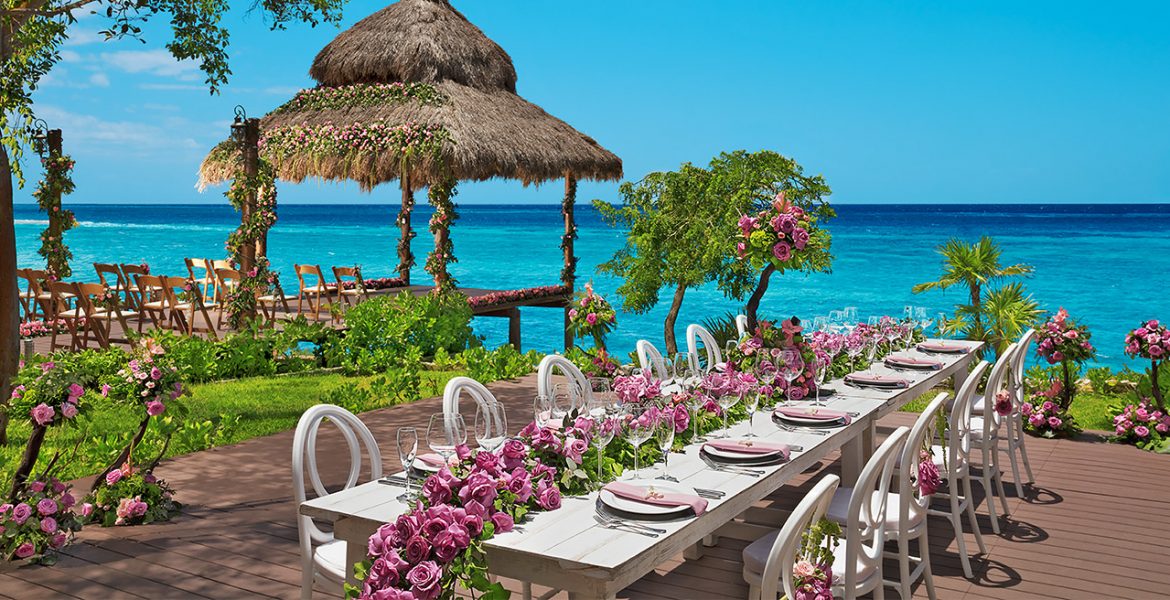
(1107, 264)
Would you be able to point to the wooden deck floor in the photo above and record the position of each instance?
(1094, 526)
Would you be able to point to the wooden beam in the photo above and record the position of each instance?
(569, 271)
(514, 328)
(405, 256)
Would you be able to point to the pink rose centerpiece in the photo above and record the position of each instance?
(1151, 341)
(767, 343)
(129, 496)
(591, 315)
(1043, 414)
(1143, 425)
(1063, 342)
(39, 522)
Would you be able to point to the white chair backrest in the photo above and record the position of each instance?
(741, 325)
(959, 424)
(777, 576)
(1017, 374)
(996, 383)
(921, 438)
(697, 334)
(304, 461)
(549, 365)
(650, 358)
(483, 398)
(866, 520)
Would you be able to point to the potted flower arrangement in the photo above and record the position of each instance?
(1151, 341)
(1060, 341)
(132, 497)
(38, 522)
(1143, 425)
(768, 342)
(1043, 413)
(592, 316)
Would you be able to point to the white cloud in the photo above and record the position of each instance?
(129, 138)
(70, 56)
(99, 79)
(81, 37)
(153, 62)
(170, 86)
(281, 90)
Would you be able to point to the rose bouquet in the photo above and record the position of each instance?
(39, 523)
(130, 497)
(437, 545)
(151, 378)
(1062, 341)
(1151, 341)
(592, 316)
(53, 397)
(1143, 425)
(768, 343)
(777, 235)
(636, 389)
(812, 571)
(1044, 415)
(594, 362)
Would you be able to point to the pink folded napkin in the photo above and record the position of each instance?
(945, 347)
(656, 497)
(877, 380)
(749, 446)
(431, 459)
(814, 412)
(910, 361)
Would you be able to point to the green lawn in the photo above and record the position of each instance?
(221, 413)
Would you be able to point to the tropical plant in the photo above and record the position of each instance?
(975, 265)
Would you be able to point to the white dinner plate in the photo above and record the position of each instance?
(810, 420)
(726, 454)
(645, 508)
(424, 466)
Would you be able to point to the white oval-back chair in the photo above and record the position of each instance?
(478, 392)
(987, 431)
(776, 576)
(552, 364)
(741, 325)
(1015, 433)
(650, 358)
(712, 355)
(322, 556)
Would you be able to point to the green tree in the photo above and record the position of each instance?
(676, 238)
(975, 266)
(31, 35)
(1008, 311)
(746, 183)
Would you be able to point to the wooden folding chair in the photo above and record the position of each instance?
(61, 293)
(41, 294)
(137, 293)
(152, 301)
(357, 292)
(207, 280)
(99, 319)
(274, 298)
(27, 296)
(308, 292)
(184, 313)
(227, 280)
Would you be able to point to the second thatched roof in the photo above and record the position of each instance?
(491, 131)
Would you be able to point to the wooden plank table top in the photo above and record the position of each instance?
(564, 549)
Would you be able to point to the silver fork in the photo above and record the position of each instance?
(732, 468)
(792, 429)
(624, 526)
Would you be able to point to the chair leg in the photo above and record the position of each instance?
(924, 551)
(753, 592)
(306, 580)
(989, 489)
(300, 299)
(997, 475)
(1024, 451)
(904, 580)
(1013, 449)
(957, 524)
(971, 517)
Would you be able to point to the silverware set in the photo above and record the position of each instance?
(629, 526)
(710, 494)
(794, 429)
(396, 480)
(726, 468)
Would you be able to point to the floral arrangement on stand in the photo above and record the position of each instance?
(767, 342)
(254, 195)
(38, 522)
(56, 184)
(132, 497)
(594, 362)
(1044, 415)
(1151, 341)
(591, 316)
(1062, 341)
(1143, 425)
(510, 296)
(53, 397)
(40, 328)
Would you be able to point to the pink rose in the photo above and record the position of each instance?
(105, 390)
(37, 486)
(86, 509)
(69, 410)
(782, 251)
(548, 496)
(503, 522)
(25, 550)
(804, 569)
(1141, 431)
(155, 408)
(47, 506)
(451, 541)
(49, 525)
(591, 318)
(113, 477)
(1055, 422)
(58, 540)
(21, 512)
(43, 414)
(682, 418)
(572, 313)
(424, 580)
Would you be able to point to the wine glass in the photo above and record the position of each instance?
(599, 388)
(751, 401)
(640, 423)
(444, 433)
(564, 400)
(664, 434)
(940, 324)
(849, 314)
(820, 369)
(407, 442)
(923, 318)
(791, 366)
(854, 346)
(542, 410)
(826, 375)
(600, 413)
(820, 324)
(766, 374)
(871, 349)
(726, 400)
(680, 364)
(836, 321)
(696, 402)
(491, 426)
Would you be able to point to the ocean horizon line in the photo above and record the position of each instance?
(580, 203)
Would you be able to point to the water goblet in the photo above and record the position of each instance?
(751, 401)
(821, 371)
(820, 324)
(854, 347)
(604, 426)
(836, 321)
(696, 402)
(491, 426)
(640, 424)
(791, 366)
(727, 400)
(542, 410)
(445, 433)
(849, 314)
(564, 400)
(407, 442)
(664, 434)
(940, 324)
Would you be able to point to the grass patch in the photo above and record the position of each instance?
(220, 413)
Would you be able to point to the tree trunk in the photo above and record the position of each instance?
(671, 317)
(977, 305)
(124, 455)
(1069, 386)
(9, 296)
(28, 461)
(753, 304)
(1155, 388)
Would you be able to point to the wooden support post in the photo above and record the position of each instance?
(514, 328)
(251, 153)
(405, 256)
(569, 271)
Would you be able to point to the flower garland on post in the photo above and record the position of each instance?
(439, 195)
(51, 397)
(255, 222)
(56, 184)
(405, 256)
(569, 271)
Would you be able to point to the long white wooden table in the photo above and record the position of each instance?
(564, 549)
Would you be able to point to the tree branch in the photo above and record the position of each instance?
(36, 8)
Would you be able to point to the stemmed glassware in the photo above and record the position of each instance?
(791, 366)
(893, 333)
(836, 321)
(664, 434)
(542, 410)
(820, 324)
(726, 400)
(680, 364)
(821, 372)
(564, 400)
(751, 401)
(940, 324)
(854, 346)
(601, 410)
(407, 442)
(922, 318)
(849, 315)
(491, 427)
(444, 433)
(640, 424)
(696, 402)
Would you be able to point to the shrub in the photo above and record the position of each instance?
(382, 332)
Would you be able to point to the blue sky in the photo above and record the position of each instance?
(917, 102)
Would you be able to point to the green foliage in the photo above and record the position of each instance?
(505, 362)
(398, 385)
(385, 331)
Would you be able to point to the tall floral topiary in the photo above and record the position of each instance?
(51, 396)
(1062, 341)
(56, 184)
(1151, 341)
(592, 316)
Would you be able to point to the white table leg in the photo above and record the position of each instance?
(854, 453)
(356, 536)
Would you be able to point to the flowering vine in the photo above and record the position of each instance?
(568, 272)
(439, 195)
(362, 94)
(408, 139)
(240, 302)
(56, 184)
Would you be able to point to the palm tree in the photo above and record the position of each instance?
(1009, 311)
(974, 265)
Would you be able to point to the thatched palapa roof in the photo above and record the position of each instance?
(492, 131)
